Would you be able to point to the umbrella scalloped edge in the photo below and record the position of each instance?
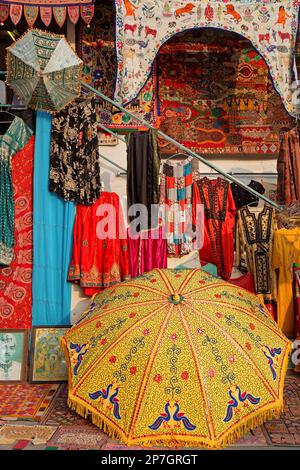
(270, 411)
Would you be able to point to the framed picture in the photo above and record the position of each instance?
(47, 359)
(13, 355)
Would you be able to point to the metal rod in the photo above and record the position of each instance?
(242, 174)
(113, 163)
(182, 147)
(111, 132)
(12, 106)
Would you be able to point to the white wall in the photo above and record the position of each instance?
(117, 184)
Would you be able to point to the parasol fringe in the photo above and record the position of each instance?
(171, 441)
(270, 411)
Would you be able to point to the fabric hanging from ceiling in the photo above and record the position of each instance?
(144, 26)
(53, 221)
(47, 9)
(96, 49)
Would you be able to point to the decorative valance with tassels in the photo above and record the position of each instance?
(144, 26)
(47, 9)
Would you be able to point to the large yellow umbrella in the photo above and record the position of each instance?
(176, 358)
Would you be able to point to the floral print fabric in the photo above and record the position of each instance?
(74, 160)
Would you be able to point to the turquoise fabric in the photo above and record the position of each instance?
(211, 269)
(53, 221)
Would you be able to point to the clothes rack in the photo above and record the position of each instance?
(178, 145)
(181, 147)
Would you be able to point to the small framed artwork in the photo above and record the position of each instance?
(47, 359)
(13, 355)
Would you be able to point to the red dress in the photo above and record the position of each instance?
(219, 222)
(16, 279)
(100, 257)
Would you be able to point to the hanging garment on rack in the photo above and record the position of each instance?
(14, 140)
(143, 162)
(242, 197)
(246, 281)
(15, 280)
(288, 167)
(296, 290)
(219, 213)
(53, 221)
(74, 160)
(99, 261)
(286, 252)
(147, 250)
(176, 196)
(254, 247)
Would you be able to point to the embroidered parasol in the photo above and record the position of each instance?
(44, 71)
(176, 358)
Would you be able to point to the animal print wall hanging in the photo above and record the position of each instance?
(96, 48)
(143, 26)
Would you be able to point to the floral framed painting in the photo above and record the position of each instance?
(13, 355)
(47, 360)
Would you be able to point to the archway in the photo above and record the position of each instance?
(143, 27)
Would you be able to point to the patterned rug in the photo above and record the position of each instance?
(100, 72)
(216, 96)
(78, 438)
(9, 434)
(76, 433)
(59, 413)
(26, 401)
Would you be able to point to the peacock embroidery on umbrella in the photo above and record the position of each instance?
(108, 399)
(236, 399)
(273, 361)
(77, 353)
(172, 418)
(86, 314)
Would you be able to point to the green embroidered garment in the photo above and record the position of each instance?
(14, 140)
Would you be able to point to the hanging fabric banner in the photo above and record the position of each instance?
(46, 15)
(16, 12)
(74, 14)
(60, 14)
(53, 221)
(143, 26)
(87, 13)
(4, 12)
(45, 7)
(31, 13)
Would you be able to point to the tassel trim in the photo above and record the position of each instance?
(171, 440)
(257, 418)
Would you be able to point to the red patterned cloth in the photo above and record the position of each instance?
(15, 280)
(99, 263)
(219, 211)
(246, 281)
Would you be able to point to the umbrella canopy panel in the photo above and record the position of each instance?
(176, 358)
(44, 71)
